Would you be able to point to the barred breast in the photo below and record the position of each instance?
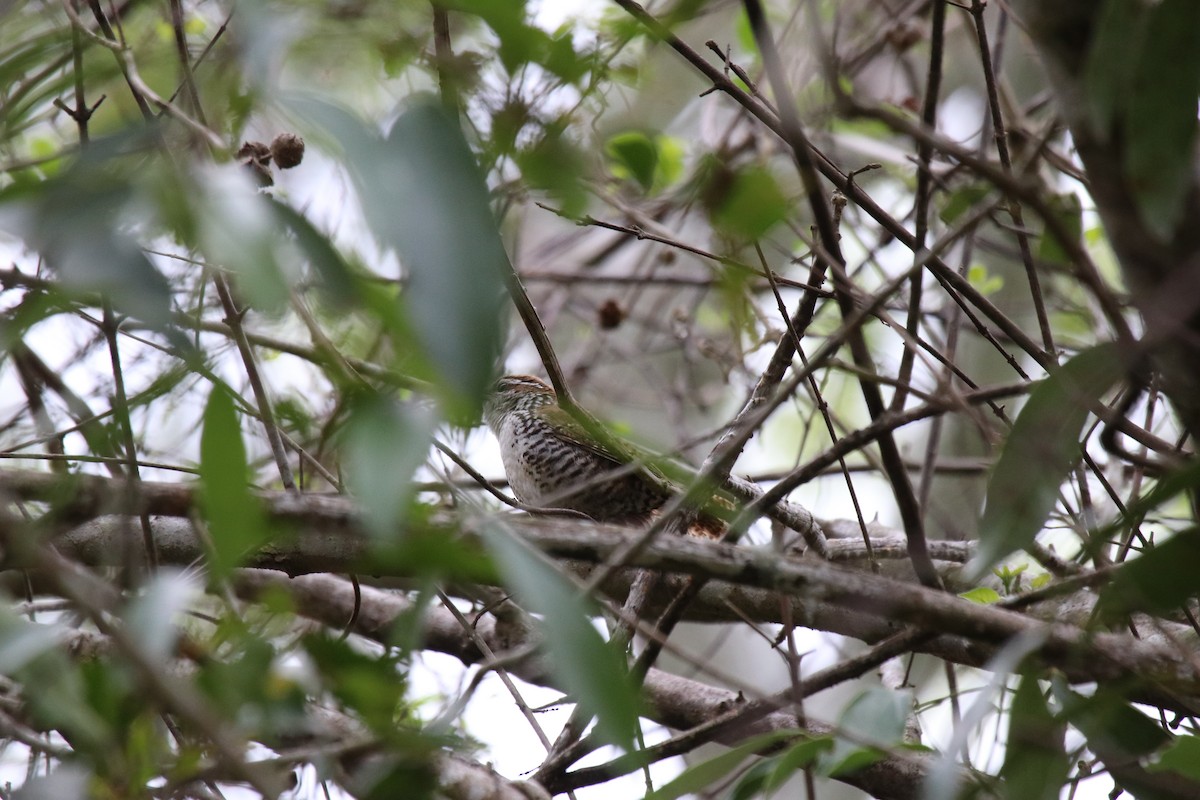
(547, 470)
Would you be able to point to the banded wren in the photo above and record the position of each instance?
(553, 462)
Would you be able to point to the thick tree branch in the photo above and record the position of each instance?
(326, 538)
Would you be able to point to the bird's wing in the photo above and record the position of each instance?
(574, 432)
(593, 436)
(651, 466)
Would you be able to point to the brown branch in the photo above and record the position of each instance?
(328, 540)
(677, 702)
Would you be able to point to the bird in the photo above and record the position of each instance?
(553, 461)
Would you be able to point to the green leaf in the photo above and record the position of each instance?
(982, 595)
(671, 154)
(1159, 122)
(1040, 452)
(336, 277)
(981, 279)
(1069, 211)
(634, 155)
(962, 200)
(1111, 725)
(560, 58)
(655, 162)
(236, 522)
(443, 230)
(592, 671)
(152, 617)
(238, 231)
(23, 642)
(1141, 81)
(801, 755)
(752, 783)
(1168, 487)
(1183, 756)
(52, 686)
(1160, 579)
(78, 222)
(423, 196)
(1035, 763)
(873, 719)
(520, 42)
(703, 775)
(385, 442)
(397, 774)
(556, 165)
(432, 549)
(1118, 36)
(746, 204)
(372, 686)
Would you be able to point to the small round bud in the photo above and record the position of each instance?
(610, 315)
(288, 150)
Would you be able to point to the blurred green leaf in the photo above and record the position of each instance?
(239, 231)
(423, 197)
(671, 153)
(520, 42)
(1142, 79)
(1035, 763)
(372, 686)
(745, 34)
(153, 616)
(634, 155)
(961, 200)
(746, 204)
(395, 775)
(753, 781)
(53, 688)
(982, 595)
(1109, 722)
(799, 756)
(236, 522)
(385, 442)
(446, 236)
(873, 719)
(701, 776)
(593, 671)
(1041, 450)
(1162, 578)
(1168, 487)
(1160, 120)
(654, 162)
(1069, 210)
(1118, 37)
(560, 57)
(736, 298)
(1183, 756)
(336, 277)
(80, 221)
(246, 686)
(23, 642)
(983, 281)
(556, 165)
(432, 549)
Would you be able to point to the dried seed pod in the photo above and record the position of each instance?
(288, 150)
(610, 314)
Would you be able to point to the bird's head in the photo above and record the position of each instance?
(515, 393)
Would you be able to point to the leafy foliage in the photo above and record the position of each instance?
(257, 267)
